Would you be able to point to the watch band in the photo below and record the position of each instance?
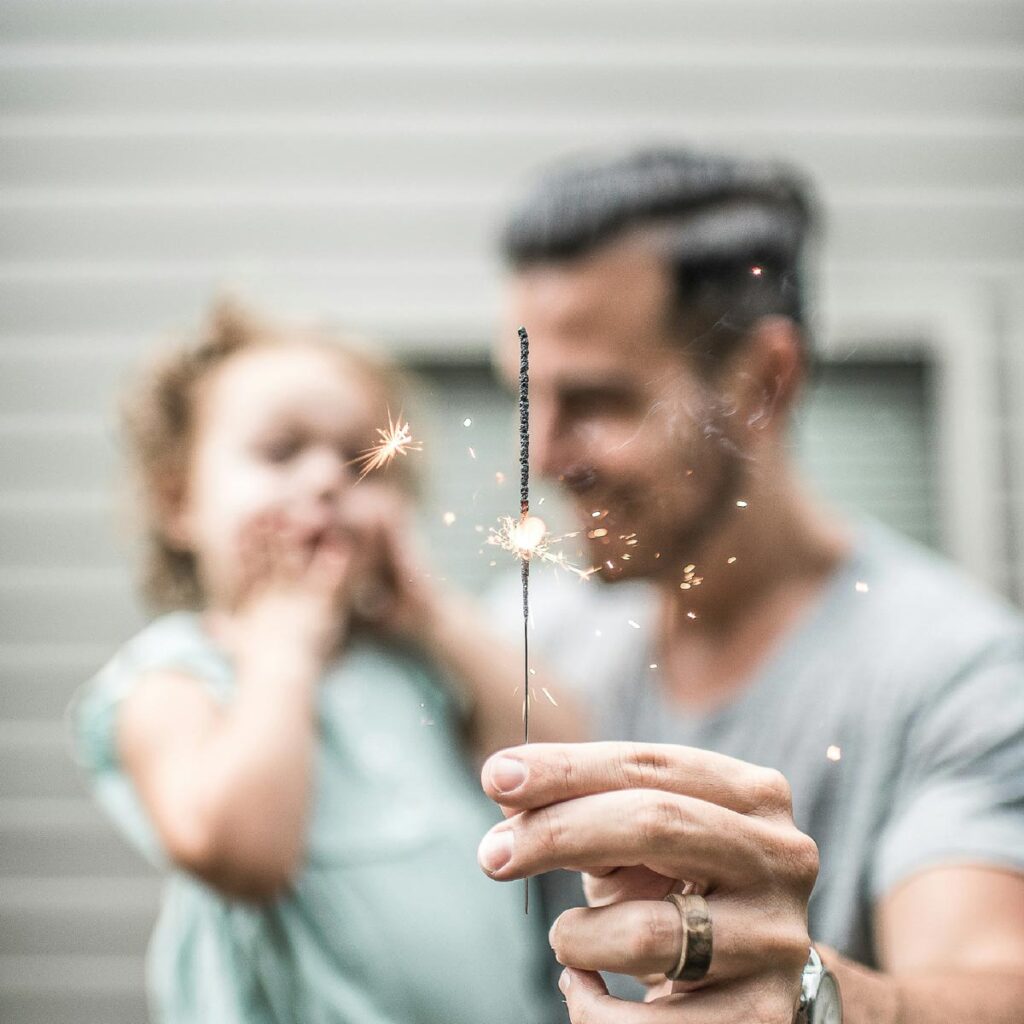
(809, 981)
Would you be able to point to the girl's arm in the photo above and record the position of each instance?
(488, 673)
(228, 787)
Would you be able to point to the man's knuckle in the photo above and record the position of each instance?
(652, 937)
(644, 765)
(660, 819)
(550, 832)
(806, 861)
(772, 793)
(769, 1003)
(787, 947)
(567, 771)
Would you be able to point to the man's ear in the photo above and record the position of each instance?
(766, 376)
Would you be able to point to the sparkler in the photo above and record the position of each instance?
(396, 439)
(524, 513)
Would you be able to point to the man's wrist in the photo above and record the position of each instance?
(869, 996)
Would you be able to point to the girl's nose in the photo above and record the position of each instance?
(325, 473)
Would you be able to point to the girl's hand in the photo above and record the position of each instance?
(293, 587)
(391, 592)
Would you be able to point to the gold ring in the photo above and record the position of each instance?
(695, 955)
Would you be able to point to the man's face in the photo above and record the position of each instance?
(639, 441)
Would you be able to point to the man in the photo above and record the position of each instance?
(881, 694)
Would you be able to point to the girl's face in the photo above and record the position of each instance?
(276, 430)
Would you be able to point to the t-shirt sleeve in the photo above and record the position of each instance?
(961, 796)
(93, 712)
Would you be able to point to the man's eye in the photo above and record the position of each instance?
(591, 403)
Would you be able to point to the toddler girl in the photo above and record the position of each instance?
(279, 738)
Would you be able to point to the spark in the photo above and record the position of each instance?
(448, 518)
(861, 587)
(741, 504)
(731, 559)
(547, 694)
(472, 454)
(594, 534)
(467, 422)
(834, 753)
(690, 577)
(635, 625)
(691, 615)
(757, 271)
(397, 439)
(653, 664)
(528, 539)
(499, 478)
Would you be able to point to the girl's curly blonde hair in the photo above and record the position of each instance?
(158, 417)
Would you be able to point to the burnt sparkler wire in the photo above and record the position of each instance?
(524, 511)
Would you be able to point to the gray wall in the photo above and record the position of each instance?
(349, 160)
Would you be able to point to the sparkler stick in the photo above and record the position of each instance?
(524, 511)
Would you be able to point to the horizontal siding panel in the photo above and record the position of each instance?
(63, 838)
(85, 989)
(226, 226)
(959, 156)
(81, 976)
(59, 537)
(36, 762)
(83, 381)
(103, 611)
(267, 227)
(77, 917)
(911, 22)
(55, 458)
(456, 317)
(583, 80)
(37, 681)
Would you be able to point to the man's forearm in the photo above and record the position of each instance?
(977, 997)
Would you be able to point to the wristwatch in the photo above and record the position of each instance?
(820, 1002)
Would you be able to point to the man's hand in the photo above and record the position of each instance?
(643, 820)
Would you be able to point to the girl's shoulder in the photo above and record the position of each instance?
(172, 642)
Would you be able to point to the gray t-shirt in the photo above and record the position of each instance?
(895, 708)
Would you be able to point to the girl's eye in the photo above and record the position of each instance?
(281, 450)
(350, 453)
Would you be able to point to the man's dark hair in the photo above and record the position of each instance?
(732, 231)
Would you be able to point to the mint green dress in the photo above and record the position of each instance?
(390, 920)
